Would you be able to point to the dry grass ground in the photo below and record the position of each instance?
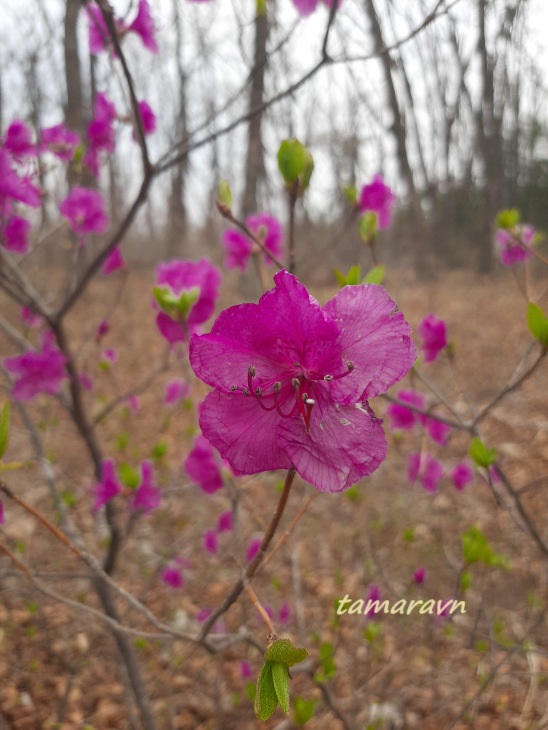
(60, 666)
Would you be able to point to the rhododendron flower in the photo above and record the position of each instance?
(13, 187)
(16, 235)
(2, 518)
(99, 36)
(172, 576)
(30, 318)
(419, 575)
(306, 7)
(85, 381)
(133, 403)
(60, 141)
(85, 211)
(211, 542)
(377, 198)
(148, 118)
(437, 430)
(245, 670)
(37, 372)
(239, 247)
(292, 381)
(102, 329)
(110, 354)
(285, 613)
(147, 495)
(402, 417)
(176, 390)
(426, 468)
(434, 335)
(252, 549)
(462, 475)
(374, 594)
(188, 291)
(113, 262)
(225, 521)
(18, 140)
(108, 487)
(143, 26)
(202, 466)
(515, 245)
(101, 134)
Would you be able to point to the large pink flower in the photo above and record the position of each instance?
(37, 372)
(292, 381)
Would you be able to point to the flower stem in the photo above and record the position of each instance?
(252, 567)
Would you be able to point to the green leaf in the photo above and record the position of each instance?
(367, 226)
(224, 193)
(476, 549)
(280, 676)
(307, 172)
(537, 322)
(351, 194)
(351, 278)
(375, 276)
(4, 429)
(282, 650)
(465, 580)
(327, 653)
(292, 159)
(159, 450)
(129, 476)
(266, 699)
(480, 454)
(507, 219)
(261, 7)
(303, 709)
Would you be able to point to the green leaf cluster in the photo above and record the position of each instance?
(507, 219)
(295, 164)
(129, 476)
(537, 322)
(273, 681)
(4, 429)
(177, 306)
(480, 454)
(368, 227)
(224, 194)
(476, 549)
(303, 710)
(354, 276)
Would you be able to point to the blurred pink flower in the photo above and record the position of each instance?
(179, 276)
(37, 372)
(211, 542)
(176, 390)
(402, 417)
(437, 430)
(285, 613)
(108, 487)
(515, 245)
(426, 468)
(419, 575)
(434, 335)
(85, 210)
(238, 247)
(113, 262)
(225, 521)
(110, 354)
(172, 576)
(30, 318)
(13, 187)
(2, 518)
(252, 549)
(100, 132)
(85, 381)
(377, 198)
(102, 329)
(18, 140)
(148, 118)
(202, 466)
(462, 475)
(374, 594)
(60, 141)
(245, 670)
(16, 235)
(133, 403)
(147, 495)
(143, 26)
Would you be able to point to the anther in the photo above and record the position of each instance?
(350, 365)
(329, 378)
(310, 402)
(252, 371)
(295, 382)
(259, 392)
(277, 387)
(304, 397)
(245, 391)
(233, 388)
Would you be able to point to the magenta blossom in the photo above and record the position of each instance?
(462, 475)
(239, 247)
(18, 140)
(2, 518)
(108, 487)
(225, 522)
(85, 211)
(402, 417)
(515, 245)
(147, 496)
(100, 131)
(110, 354)
(133, 403)
(99, 36)
(102, 329)
(13, 187)
(199, 281)
(60, 141)
(426, 468)
(85, 381)
(16, 235)
(292, 381)
(143, 26)
(211, 542)
(377, 198)
(113, 262)
(419, 575)
(148, 118)
(437, 430)
(202, 466)
(30, 318)
(374, 594)
(37, 372)
(252, 549)
(245, 670)
(176, 390)
(172, 576)
(434, 335)
(307, 7)
(285, 613)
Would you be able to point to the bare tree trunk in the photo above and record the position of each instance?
(74, 117)
(254, 166)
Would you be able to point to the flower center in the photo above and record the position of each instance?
(297, 385)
